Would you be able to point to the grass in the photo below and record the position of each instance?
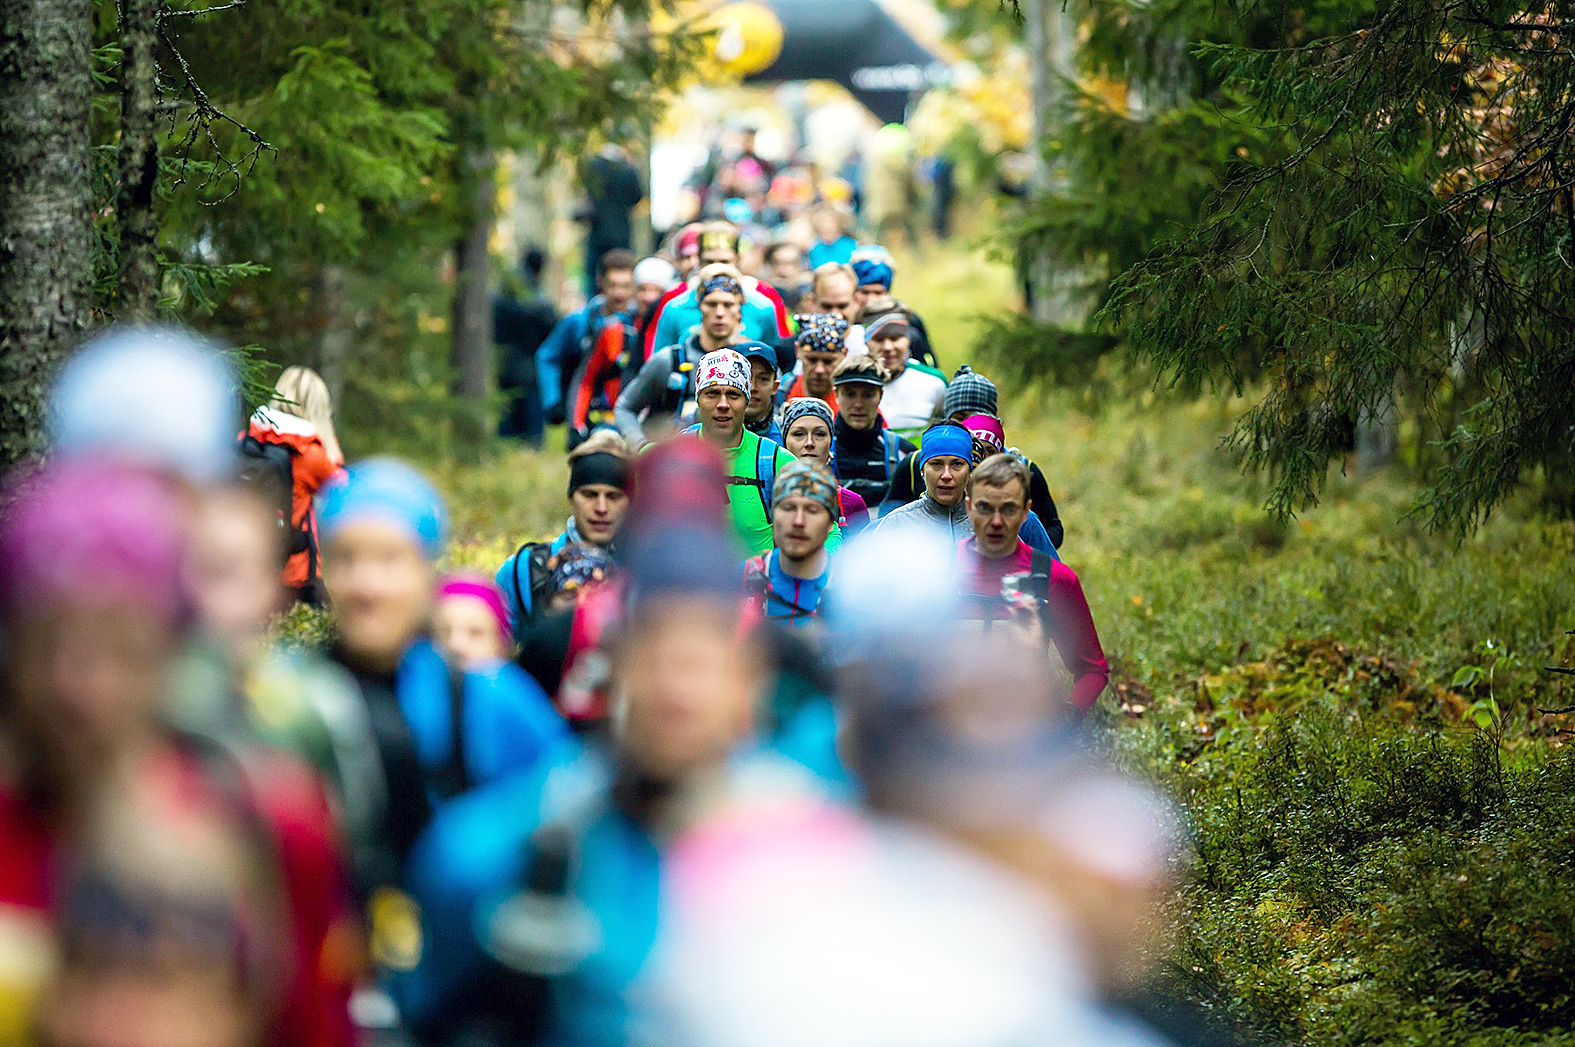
(1345, 705)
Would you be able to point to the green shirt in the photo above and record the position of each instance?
(746, 500)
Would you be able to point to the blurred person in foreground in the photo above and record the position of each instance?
(157, 398)
(540, 894)
(790, 920)
(425, 735)
(171, 929)
(93, 613)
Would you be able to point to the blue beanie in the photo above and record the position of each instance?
(941, 440)
(872, 271)
(391, 491)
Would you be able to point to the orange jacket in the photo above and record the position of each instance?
(313, 468)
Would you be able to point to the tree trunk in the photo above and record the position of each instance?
(46, 233)
(1060, 285)
(333, 341)
(471, 347)
(139, 161)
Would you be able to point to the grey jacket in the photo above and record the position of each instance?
(652, 391)
(926, 512)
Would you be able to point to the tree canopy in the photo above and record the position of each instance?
(1357, 214)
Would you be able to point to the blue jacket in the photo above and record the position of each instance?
(683, 312)
(507, 723)
(560, 354)
(515, 581)
(473, 859)
(1033, 532)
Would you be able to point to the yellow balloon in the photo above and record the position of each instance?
(748, 37)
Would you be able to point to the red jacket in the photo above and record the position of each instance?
(313, 468)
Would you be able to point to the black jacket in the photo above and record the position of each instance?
(867, 459)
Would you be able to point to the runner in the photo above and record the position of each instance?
(760, 416)
(663, 390)
(763, 315)
(598, 498)
(1003, 580)
(435, 734)
(866, 452)
(821, 345)
(873, 270)
(945, 459)
(539, 896)
(786, 582)
(723, 381)
(570, 342)
(807, 423)
(616, 354)
(914, 391)
(971, 400)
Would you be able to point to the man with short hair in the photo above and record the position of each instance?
(820, 346)
(945, 460)
(867, 453)
(914, 391)
(570, 341)
(598, 499)
(785, 269)
(786, 583)
(833, 286)
(873, 270)
(722, 384)
(1003, 580)
(763, 316)
(664, 385)
(760, 415)
(615, 355)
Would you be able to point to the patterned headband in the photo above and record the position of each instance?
(721, 282)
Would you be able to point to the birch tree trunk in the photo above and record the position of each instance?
(46, 233)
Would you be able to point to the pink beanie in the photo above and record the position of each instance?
(476, 586)
(87, 531)
(987, 427)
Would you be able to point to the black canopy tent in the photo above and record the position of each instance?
(854, 43)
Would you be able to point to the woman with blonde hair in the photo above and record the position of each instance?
(298, 422)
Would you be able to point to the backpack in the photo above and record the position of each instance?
(269, 469)
(531, 596)
(891, 443)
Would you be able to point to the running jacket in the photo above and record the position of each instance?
(765, 317)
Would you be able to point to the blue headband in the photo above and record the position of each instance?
(389, 490)
(872, 271)
(942, 440)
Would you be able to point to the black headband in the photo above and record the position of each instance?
(600, 467)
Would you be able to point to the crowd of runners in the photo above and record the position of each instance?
(782, 740)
